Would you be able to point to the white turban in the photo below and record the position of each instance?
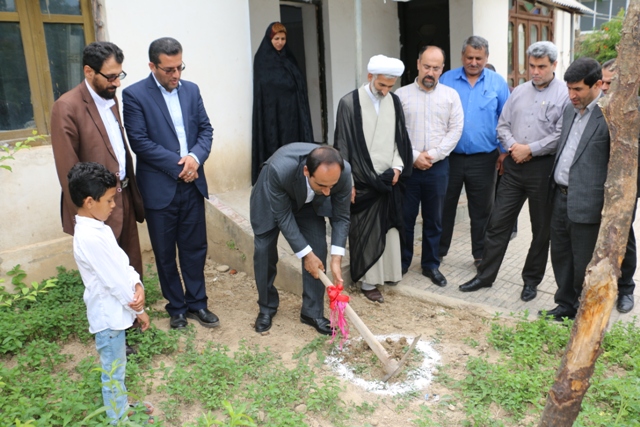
(381, 64)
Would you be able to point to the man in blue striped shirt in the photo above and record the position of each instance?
(476, 157)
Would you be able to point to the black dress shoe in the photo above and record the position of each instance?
(474, 285)
(322, 325)
(559, 312)
(263, 322)
(204, 317)
(405, 270)
(528, 293)
(436, 277)
(625, 303)
(373, 295)
(179, 321)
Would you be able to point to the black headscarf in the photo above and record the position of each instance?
(280, 103)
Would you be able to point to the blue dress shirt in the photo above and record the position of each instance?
(482, 105)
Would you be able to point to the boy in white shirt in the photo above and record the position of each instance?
(114, 294)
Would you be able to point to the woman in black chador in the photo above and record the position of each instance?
(280, 101)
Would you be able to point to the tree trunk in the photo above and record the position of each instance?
(620, 109)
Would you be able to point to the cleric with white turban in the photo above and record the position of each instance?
(371, 134)
(381, 64)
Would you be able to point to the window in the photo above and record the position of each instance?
(41, 43)
(528, 23)
(606, 10)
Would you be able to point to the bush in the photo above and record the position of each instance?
(601, 44)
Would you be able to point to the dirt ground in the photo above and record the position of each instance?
(450, 331)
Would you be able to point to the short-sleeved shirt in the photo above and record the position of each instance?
(482, 105)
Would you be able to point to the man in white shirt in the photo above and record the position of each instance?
(434, 118)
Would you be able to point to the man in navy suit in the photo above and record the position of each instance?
(169, 130)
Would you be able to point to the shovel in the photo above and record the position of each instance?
(391, 366)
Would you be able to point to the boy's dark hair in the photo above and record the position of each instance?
(323, 155)
(587, 69)
(89, 179)
(96, 53)
(165, 45)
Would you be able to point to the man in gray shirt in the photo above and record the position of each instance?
(528, 130)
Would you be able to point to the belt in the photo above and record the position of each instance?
(563, 188)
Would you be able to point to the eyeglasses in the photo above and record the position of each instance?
(172, 69)
(112, 77)
(435, 69)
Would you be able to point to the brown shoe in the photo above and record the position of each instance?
(373, 295)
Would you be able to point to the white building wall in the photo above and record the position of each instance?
(562, 34)
(217, 52)
(261, 14)
(215, 37)
(484, 18)
(491, 21)
(219, 38)
(461, 27)
(31, 233)
(380, 35)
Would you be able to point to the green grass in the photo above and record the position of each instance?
(42, 386)
(528, 355)
(238, 386)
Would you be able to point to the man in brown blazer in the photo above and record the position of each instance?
(86, 127)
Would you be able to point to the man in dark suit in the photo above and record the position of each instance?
(86, 127)
(577, 184)
(170, 133)
(297, 188)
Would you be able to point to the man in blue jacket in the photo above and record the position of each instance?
(169, 130)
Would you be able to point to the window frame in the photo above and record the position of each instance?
(519, 16)
(31, 21)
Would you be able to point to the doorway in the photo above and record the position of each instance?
(422, 23)
(303, 20)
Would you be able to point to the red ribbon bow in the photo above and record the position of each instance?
(335, 296)
(338, 303)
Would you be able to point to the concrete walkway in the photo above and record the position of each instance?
(457, 266)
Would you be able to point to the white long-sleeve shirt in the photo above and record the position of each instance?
(435, 119)
(109, 280)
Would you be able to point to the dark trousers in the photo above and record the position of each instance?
(572, 246)
(478, 174)
(529, 180)
(429, 188)
(180, 224)
(265, 257)
(129, 240)
(626, 285)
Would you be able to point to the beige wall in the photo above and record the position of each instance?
(30, 216)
